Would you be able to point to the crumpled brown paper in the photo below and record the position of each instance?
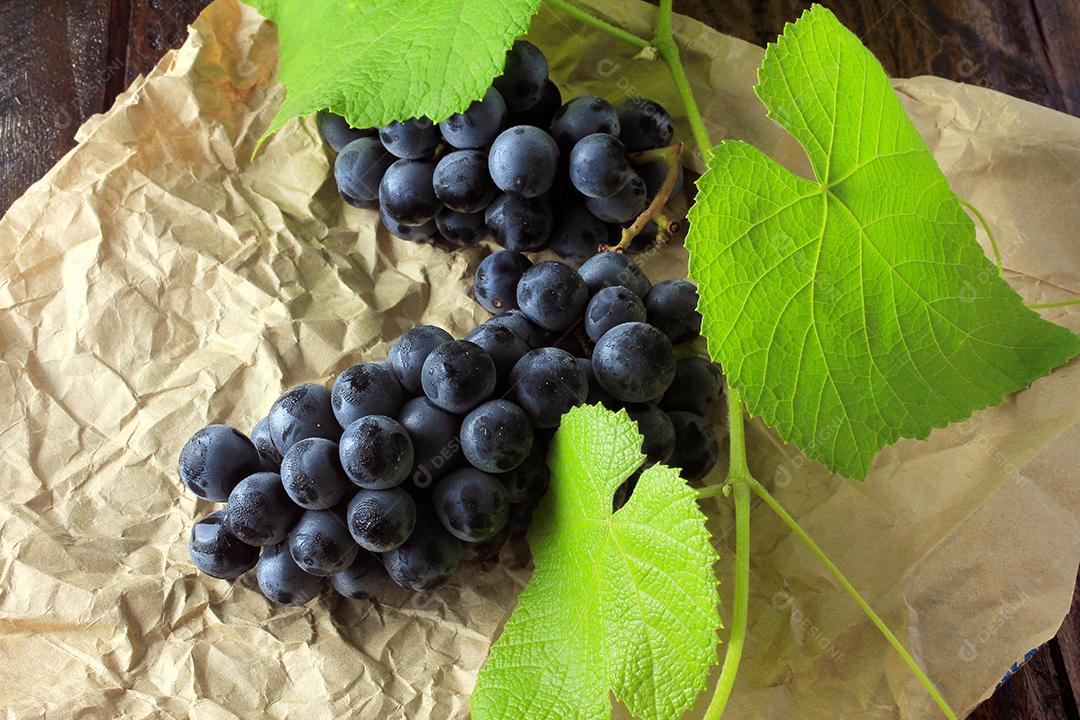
(157, 280)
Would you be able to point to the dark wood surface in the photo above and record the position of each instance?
(64, 60)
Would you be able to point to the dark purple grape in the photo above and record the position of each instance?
(365, 579)
(461, 228)
(656, 429)
(612, 306)
(581, 116)
(320, 543)
(426, 560)
(523, 160)
(672, 307)
(518, 223)
(624, 206)
(217, 552)
(478, 125)
(471, 505)
(578, 234)
(496, 437)
(553, 296)
(645, 124)
(358, 170)
(434, 432)
(376, 452)
(302, 412)
(215, 460)
(524, 76)
(523, 327)
(610, 269)
(496, 281)
(696, 447)
(462, 182)
(697, 387)
(408, 354)
(260, 437)
(458, 376)
(312, 475)
(410, 139)
(336, 131)
(381, 520)
(282, 581)
(541, 112)
(599, 166)
(407, 192)
(413, 233)
(505, 348)
(546, 383)
(260, 511)
(365, 389)
(635, 362)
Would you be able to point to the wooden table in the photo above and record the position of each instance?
(65, 60)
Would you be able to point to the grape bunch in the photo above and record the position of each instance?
(503, 166)
(407, 466)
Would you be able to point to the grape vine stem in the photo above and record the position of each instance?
(593, 21)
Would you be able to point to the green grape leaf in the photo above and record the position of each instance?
(855, 308)
(378, 61)
(624, 601)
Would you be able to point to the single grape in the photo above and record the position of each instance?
(597, 394)
(645, 124)
(518, 223)
(408, 354)
(365, 389)
(487, 550)
(623, 206)
(458, 376)
(260, 511)
(644, 239)
(302, 412)
(583, 116)
(471, 505)
(547, 382)
(461, 228)
(426, 560)
(523, 160)
(634, 362)
(411, 139)
(542, 111)
(215, 460)
(578, 234)
(609, 269)
(553, 296)
(696, 448)
(697, 387)
(672, 307)
(336, 131)
(264, 444)
(478, 125)
(217, 552)
(528, 481)
(505, 348)
(462, 183)
(496, 437)
(612, 306)
(282, 581)
(365, 579)
(524, 328)
(320, 543)
(376, 452)
(413, 233)
(407, 193)
(496, 281)
(358, 170)
(434, 432)
(381, 520)
(312, 475)
(599, 166)
(656, 429)
(654, 173)
(524, 76)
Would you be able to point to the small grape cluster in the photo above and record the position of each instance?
(502, 165)
(407, 466)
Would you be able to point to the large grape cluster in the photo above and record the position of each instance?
(407, 466)
(506, 163)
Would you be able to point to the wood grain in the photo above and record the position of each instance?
(67, 59)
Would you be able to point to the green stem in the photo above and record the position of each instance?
(669, 51)
(839, 576)
(989, 233)
(591, 20)
(1063, 303)
(738, 480)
